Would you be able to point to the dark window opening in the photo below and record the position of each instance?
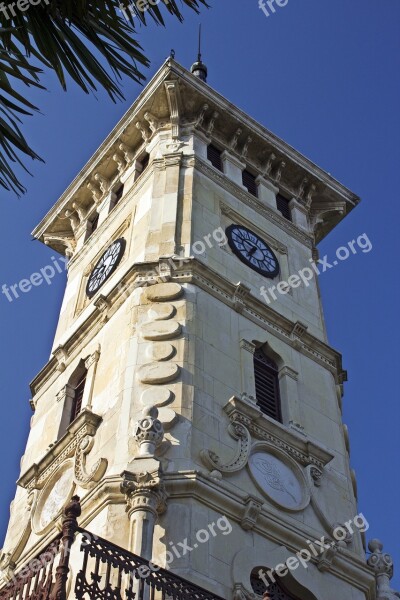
(78, 396)
(119, 192)
(145, 162)
(282, 205)
(249, 182)
(267, 385)
(92, 225)
(214, 156)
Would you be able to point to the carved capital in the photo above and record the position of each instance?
(61, 356)
(144, 491)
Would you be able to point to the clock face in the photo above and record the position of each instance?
(105, 267)
(252, 250)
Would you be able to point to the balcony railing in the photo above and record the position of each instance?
(108, 572)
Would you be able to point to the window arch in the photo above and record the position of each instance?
(275, 590)
(267, 385)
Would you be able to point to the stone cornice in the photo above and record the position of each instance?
(35, 477)
(324, 188)
(301, 448)
(252, 202)
(196, 273)
(217, 494)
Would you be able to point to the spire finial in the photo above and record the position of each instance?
(199, 53)
(199, 69)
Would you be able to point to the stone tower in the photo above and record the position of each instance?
(191, 399)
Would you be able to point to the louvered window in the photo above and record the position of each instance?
(78, 396)
(214, 156)
(282, 205)
(267, 385)
(249, 182)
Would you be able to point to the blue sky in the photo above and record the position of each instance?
(324, 77)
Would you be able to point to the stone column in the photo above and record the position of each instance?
(66, 397)
(91, 366)
(288, 385)
(168, 242)
(247, 350)
(299, 214)
(267, 192)
(200, 143)
(146, 499)
(233, 168)
(142, 484)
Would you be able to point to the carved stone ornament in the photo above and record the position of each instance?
(83, 477)
(251, 513)
(145, 490)
(148, 433)
(279, 477)
(75, 445)
(381, 564)
(213, 461)
(52, 499)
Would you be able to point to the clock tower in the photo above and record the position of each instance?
(191, 401)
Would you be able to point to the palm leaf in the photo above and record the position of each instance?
(88, 40)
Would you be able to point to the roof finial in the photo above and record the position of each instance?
(199, 69)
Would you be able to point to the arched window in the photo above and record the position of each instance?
(275, 589)
(78, 396)
(267, 385)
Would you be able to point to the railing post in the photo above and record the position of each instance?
(69, 527)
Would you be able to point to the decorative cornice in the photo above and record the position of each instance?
(197, 273)
(84, 427)
(260, 426)
(252, 202)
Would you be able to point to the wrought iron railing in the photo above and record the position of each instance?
(36, 580)
(108, 572)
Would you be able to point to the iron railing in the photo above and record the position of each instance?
(108, 572)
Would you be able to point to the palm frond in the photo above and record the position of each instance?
(90, 41)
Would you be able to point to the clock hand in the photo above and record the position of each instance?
(251, 252)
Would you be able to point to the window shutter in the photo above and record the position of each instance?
(267, 385)
(249, 182)
(283, 206)
(78, 397)
(214, 156)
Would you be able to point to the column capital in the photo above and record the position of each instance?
(145, 490)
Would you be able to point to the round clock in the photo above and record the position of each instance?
(105, 266)
(252, 250)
